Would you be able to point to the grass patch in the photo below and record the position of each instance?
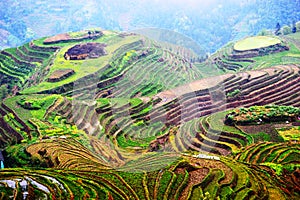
(261, 137)
(256, 42)
(123, 142)
(290, 133)
(41, 104)
(295, 36)
(134, 102)
(278, 168)
(278, 58)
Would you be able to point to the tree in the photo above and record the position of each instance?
(294, 29)
(277, 30)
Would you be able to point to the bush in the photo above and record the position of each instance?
(286, 30)
(32, 104)
(234, 93)
(269, 113)
(139, 123)
(3, 92)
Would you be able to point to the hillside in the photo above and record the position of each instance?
(101, 114)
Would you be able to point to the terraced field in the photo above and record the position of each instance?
(186, 179)
(260, 54)
(146, 120)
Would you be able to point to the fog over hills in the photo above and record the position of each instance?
(150, 100)
(210, 23)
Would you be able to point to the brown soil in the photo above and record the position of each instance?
(266, 128)
(61, 74)
(65, 37)
(199, 85)
(195, 177)
(254, 129)
(87, 50)
(57, 38)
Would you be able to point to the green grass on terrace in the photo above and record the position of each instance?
(26, 114)
(295, 36)
(256, 42)
(81, 67)
(282, 58)
(208, 70)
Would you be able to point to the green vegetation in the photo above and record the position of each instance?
(32, 104)
(134, 125)
(135, 102)
(266, 113)
(228, 60)
(233, 93)
(285, 57)
(291, 133)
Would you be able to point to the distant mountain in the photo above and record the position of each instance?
(210, 23)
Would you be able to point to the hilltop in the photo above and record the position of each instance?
(102, 114)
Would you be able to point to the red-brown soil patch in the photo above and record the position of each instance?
(269, 129)
(65, 37)
(61, 74)
(87, 50)
(266, 128)
(57, 38)
(195, 177)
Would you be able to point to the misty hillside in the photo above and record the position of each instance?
(212, 24)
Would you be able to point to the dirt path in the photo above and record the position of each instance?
(294, 41)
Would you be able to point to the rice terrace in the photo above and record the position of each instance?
(101, 114)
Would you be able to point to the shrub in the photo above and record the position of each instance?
(267, 113)
(286, 30)
(32, 104)
(3, 92)
(139, 123)
(233, 93)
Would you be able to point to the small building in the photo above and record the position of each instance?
(204, 156)
(1, 160)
